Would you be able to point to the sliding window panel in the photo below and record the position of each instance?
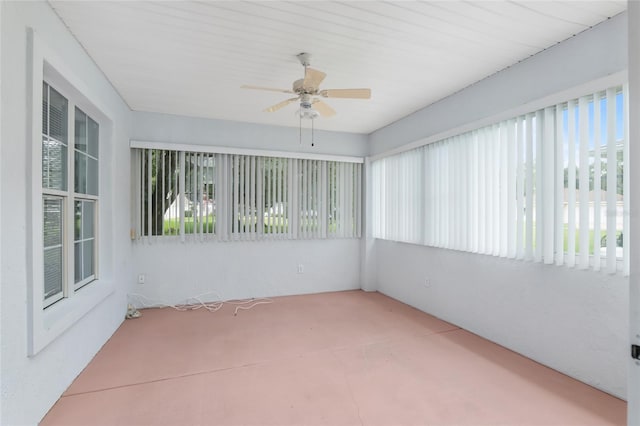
(53, 244)
(84, 241)
(55, 139)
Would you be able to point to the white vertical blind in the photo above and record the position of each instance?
(538, 223)
(597, 182)
(548, 199)
(625, 179)
(223, 198)
(511, 188)
(203, 195)
(520, 194)
(571, 184)
(503, 208)
(559, 186)
(611, 180)
(526, 188)
(484, 188)
(399, 218)
(584, 183)
(529, 181)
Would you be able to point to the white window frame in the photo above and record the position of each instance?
(69, 197)
(45, 325)
(82, 197)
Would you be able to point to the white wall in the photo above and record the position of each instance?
(175, 271)
(155, 127)
(31, 385)
(573, 321)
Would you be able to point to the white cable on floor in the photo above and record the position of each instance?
(195, 302)
(257, 302)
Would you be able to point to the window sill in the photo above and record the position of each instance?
(50, 323)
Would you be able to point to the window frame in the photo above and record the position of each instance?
(69, 198)
(45, 325)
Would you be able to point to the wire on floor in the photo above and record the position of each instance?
(197, 302)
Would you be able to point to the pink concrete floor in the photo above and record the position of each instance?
(347, 358)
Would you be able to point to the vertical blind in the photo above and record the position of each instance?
(202, 196)
(547, 186)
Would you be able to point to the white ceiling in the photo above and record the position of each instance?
(190, 58)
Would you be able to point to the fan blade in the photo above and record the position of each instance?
(313, 78)
(280, 105)
(346, 93)
(269, 89)
(324, 109)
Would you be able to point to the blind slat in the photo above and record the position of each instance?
(538, 222)
(559, 187)
(625, 180)
(597, 183)
(571, 185)
(548, 198)
(611, 180)
(584, 183)
(520, 146)
(511, 188)
(529, 179)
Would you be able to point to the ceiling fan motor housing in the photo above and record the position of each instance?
(298, 87)
(305, 101)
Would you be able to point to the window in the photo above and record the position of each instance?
(86, 197)
(200, 195)
(547, 186)
(64, 209)
(68, 131)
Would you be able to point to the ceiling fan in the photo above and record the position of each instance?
(307, 91)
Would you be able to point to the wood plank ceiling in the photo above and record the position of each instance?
(190, 58)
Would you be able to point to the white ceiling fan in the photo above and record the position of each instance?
(307, 91)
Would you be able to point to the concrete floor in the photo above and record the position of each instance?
(347, 358)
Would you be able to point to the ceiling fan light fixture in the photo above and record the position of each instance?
(307, 111)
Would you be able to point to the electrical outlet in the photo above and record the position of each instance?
(427, 282)
(141, 278)
(300, 268)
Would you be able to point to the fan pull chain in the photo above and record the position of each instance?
(312, 142)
